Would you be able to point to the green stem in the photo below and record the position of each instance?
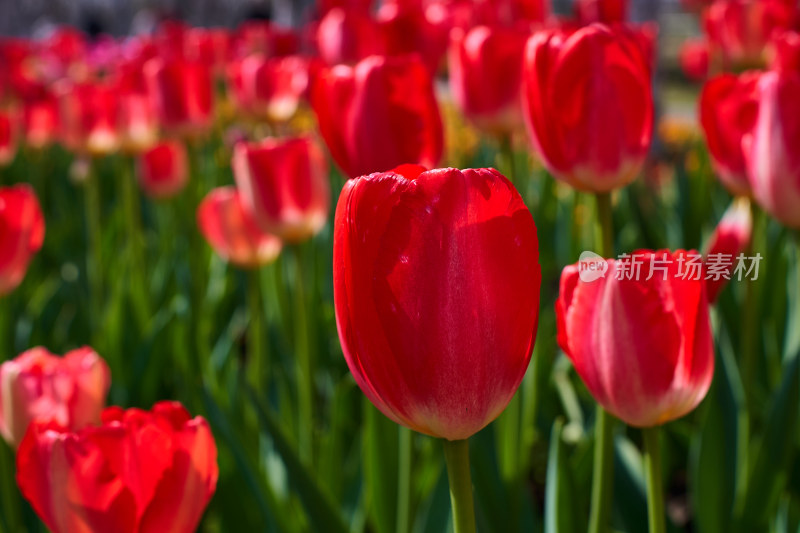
(751, 312)
(94, 272)
(305, 381)
(655, 486)
(507, 150)
(403, 479)
(456, 455)
(132, 209)
(603, 474)
(257, 367)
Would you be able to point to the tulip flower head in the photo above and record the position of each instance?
(378, 114)
(89, 117)
(436, 289)
(21, 233)
(284, 185)
(588, 104)
(8, 137)
(730, 238)
(640, 335)
(138, 471)
(37, 385)
(183, 94)
(164, 169)
(232, 232)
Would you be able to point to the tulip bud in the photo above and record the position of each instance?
(592, 129)
(21, 233)
(772, 150)
(232, 232)
(694, 59)
(38, 385)
(139, 471)
(347, 36)
(284, 185)
(40, 121)
(271, 88)
(379, 114)
(183, 94)
(728, 109)
(88, 116)
(486, 76)
(8, 137)
(731, 237)
(164, 169)
(406, 29)
(606, 11)
(436, 288)
(138, 124)
(639, 335)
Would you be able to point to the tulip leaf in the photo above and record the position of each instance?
(630, 496)
(380, 444)
(321, 513)
(559, 512)
(773, 454)
(717, 449)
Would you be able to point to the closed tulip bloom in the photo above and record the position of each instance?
(182, 91)
(8, 137)
(21, 233)
(137, 472)
(486, 75)
(164, 169)
(379, 114)
(284, 184)
(233, 232)
(40, 121)
(69, 390)
(728, 109)
(588, 104)
(272, 88)
(639, 336)
(348, 36)
(606, 11)
(694, 59)
(730, 238)
(436, 289)
(407, 29)
(772, 150)
(138, 123)
(88, 116)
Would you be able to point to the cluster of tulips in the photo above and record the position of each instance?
(436, 271)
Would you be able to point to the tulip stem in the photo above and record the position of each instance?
(507, 149)
(403, 479)
(603, 475)
(257, 370)
(606, 223)
(94, 271)
(132, 208)
(305, 381)
(655, 486)
(456, 455)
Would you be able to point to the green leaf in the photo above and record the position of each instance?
(630, 496)
(380, 444)
(559, 512)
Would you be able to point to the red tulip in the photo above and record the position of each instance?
(284, 184)
(164, 169)
(694, 59)
(21, 233)
(183, 94)
(640, 335)
(436, 289)
(8, 137)
(138, 472)
(728, 109)
(785, 51)
(731, 237)
(739, 30)
(40, 121)
(512, 12)
(606, 11)
(406, 29)
(210, 46)
(138, 124)
(486, 75)
(379, 114)
(89, 117)
(588, 104)
(772, 150)
(271, 88)
(69, 390)
(345, 36)
(233, 232)
(265, 38)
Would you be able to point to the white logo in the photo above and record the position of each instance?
(591, 267)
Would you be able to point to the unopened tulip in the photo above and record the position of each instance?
(40, 121)
(89, 117)
(639, 333)
(436, 289)
(8, 137)
(138, 472)
(284, 184)
(182, 91)
(138, 124)
(772, 150)
(164, 169)
(233, 232)
(730, 238)
(728, 109)
(69, 390)
(379, 114)
(21, 233)
(406, 29)
(270, 88)
(606, 11)
(694, 59)
(486, 75)
(588, 104)
(347, 36)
